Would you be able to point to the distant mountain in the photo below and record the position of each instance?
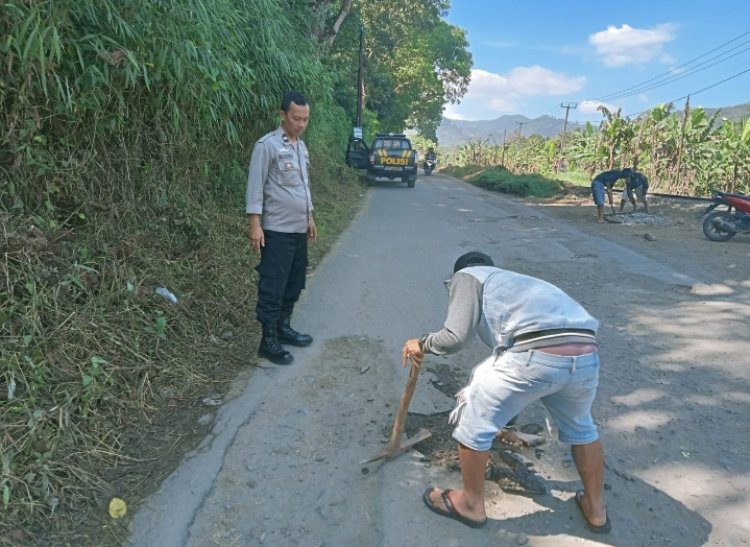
(452, 133)
(734, 113)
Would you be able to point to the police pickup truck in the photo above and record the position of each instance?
(390, 156)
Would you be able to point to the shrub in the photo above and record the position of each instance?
(499, 179)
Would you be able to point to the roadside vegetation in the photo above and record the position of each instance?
(499, 179)
(126, 134)
(683, 153)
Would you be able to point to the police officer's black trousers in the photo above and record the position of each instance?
(282, 270)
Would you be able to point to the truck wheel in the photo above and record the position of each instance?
(370, 180)
(411, 181)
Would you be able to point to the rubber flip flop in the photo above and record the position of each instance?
(605, 528)
(451, 513)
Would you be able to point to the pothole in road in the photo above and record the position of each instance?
(511, 470)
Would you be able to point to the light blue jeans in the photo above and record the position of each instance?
(597, 189)
(503, 385)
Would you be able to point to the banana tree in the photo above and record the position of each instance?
(732, 157)
(657, 142)
(582, 151)
(697, 148)
(533, 155)
(616, 135)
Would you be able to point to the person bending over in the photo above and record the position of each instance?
(544, 347)
(604, 182)
(635, 186)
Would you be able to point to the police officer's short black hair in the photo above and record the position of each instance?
(473, 258)
(292, 97)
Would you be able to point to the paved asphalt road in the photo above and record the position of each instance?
(281, 465)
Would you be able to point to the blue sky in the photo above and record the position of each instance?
(531, 56)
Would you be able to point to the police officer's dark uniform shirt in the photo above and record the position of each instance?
(278, 183)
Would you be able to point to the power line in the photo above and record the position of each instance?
(733, 76)
(712, 85)
(672, 71)
(681, 76)
(552, 111)
(557, 112)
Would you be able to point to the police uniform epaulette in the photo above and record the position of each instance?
(266, 136)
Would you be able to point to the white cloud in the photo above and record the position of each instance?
(590, 107)
(627, 45)
(492, 95)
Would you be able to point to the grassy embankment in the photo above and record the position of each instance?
(105, 380)
(499, 179)
(127, 130)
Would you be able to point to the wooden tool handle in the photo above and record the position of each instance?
(403, 409)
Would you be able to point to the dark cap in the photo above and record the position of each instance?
(473, 258)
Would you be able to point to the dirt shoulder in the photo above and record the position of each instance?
(671, 234)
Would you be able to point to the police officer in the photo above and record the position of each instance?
(279, 209)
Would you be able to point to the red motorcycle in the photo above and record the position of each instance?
(724, 225)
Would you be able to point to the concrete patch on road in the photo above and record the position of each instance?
(716, 289)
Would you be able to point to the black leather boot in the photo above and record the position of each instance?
(270, 348)
(287, 335)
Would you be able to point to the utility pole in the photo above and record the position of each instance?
(360, 84)
(567, 108)
(520, 127)
(678, 165)
(502, 158)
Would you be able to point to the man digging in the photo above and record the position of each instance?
(544, 348)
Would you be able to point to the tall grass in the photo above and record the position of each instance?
(126, 131)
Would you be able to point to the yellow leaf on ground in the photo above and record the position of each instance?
(117, 508)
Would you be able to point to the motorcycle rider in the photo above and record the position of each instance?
(430, 158)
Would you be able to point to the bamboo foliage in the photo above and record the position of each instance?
(174, 71)
(124, 128)
(124, 134)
